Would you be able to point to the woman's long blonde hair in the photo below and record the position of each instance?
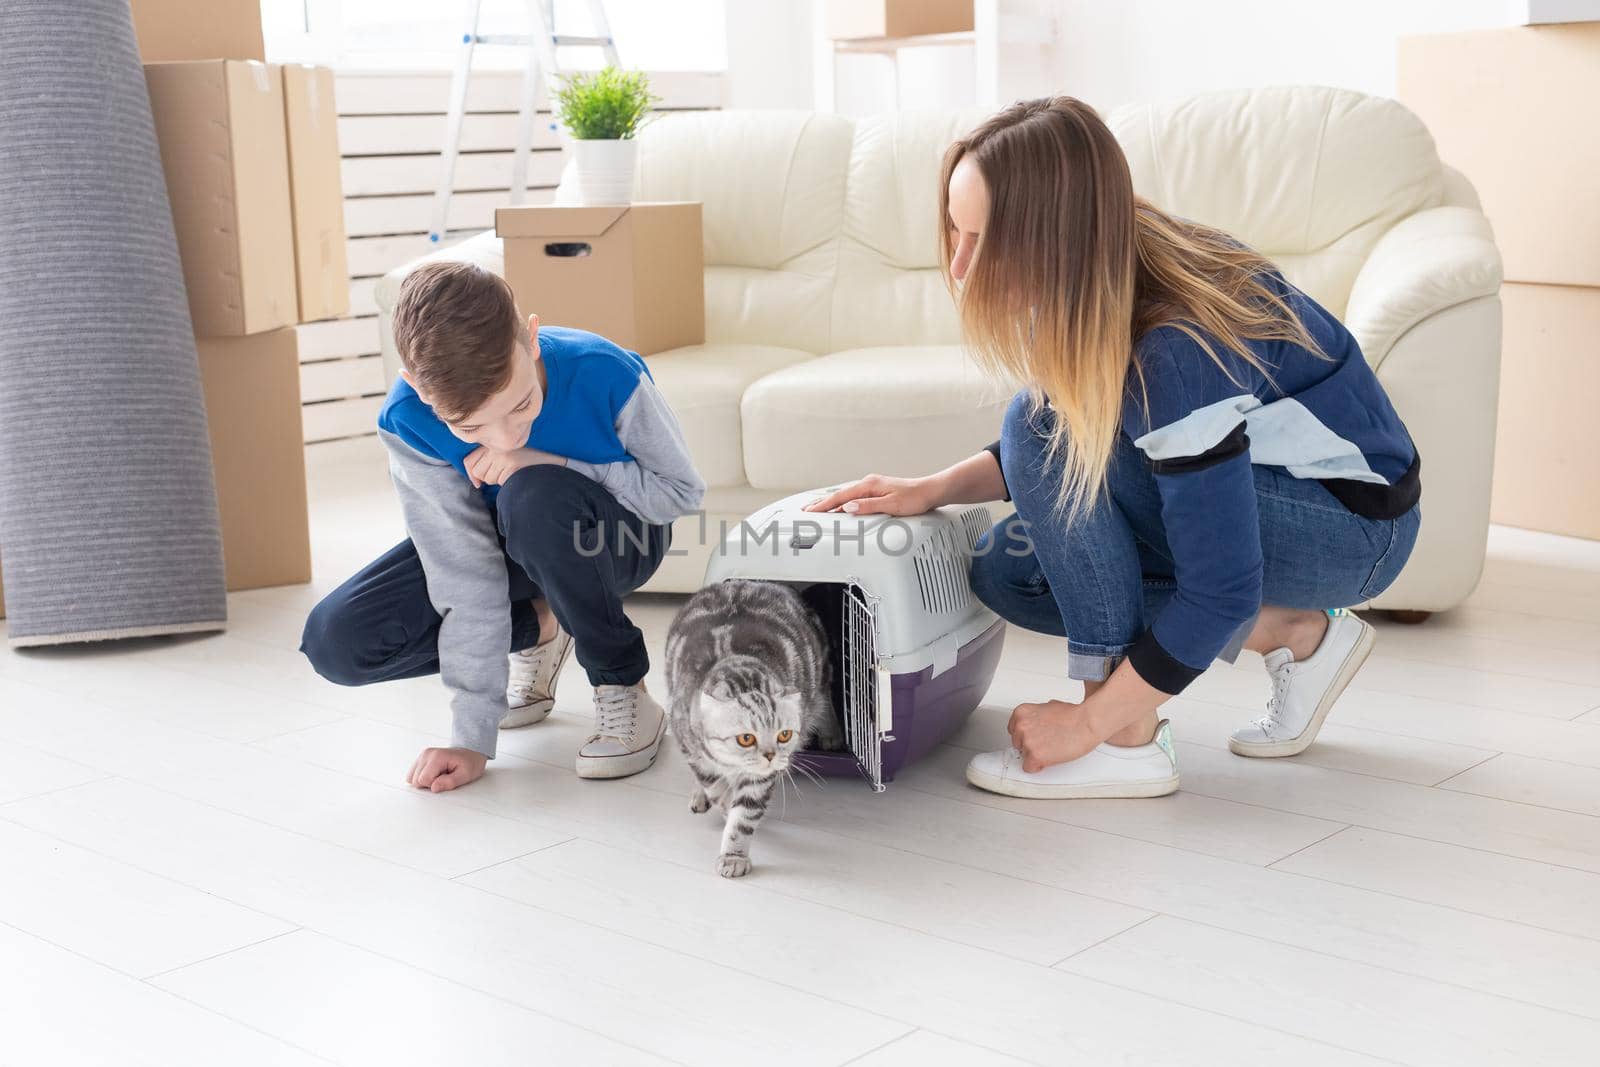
(1073, 268)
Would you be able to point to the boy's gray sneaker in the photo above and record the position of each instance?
(534, 671)
(1303, 692)
(629, 726)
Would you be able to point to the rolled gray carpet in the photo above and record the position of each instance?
(108, 514)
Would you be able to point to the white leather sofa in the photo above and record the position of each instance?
(832, 348)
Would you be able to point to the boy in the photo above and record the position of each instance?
(538, 471)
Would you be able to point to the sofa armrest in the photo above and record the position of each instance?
(1431, 261)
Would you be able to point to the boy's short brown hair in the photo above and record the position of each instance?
(456, 326)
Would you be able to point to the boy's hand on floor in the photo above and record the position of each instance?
(488, 467)
(442, 769)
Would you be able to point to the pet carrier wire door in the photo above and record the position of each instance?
(866, 724)
(913, 651)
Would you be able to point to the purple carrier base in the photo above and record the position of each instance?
(926, 710)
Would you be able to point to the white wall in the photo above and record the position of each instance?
(770, 50)
(772, 64)
(1110, 52)
(426, 34)
(1116, 53)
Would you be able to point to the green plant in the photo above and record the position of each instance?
(607, 105)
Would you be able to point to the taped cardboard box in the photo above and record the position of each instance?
(198, 29)
(1546, 468)
(849, 20)
(1518, 112)
(220, 123)
(634, 273)
(316, 193)
(1535, 12)
(252, 393)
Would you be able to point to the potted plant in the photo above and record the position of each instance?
(602, 112)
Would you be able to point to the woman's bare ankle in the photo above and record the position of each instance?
(1136, 734)
(1300, 631)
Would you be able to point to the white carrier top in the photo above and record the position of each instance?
(912, 570)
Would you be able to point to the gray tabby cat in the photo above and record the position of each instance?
(748, 677)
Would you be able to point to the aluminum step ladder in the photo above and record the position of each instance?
(543, 58)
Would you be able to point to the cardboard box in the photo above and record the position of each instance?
(198, 29)
(1518, 111)
(316, 193)
(1546, 469)
(252, 393)
(851, 20)
(223, 148)
(634, 273)
(1536, 12)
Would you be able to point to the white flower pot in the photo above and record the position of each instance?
(600, 172)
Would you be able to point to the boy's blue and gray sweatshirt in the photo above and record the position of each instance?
(1201, 424)
(603, 412)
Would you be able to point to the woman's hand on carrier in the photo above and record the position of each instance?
(487, 466)
(440, 770)
(879, 494)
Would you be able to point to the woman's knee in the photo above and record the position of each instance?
(1031, 478)
(1025, 426)
(1005, 577)
(990, 584)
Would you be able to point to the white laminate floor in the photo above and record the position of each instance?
(208, 856)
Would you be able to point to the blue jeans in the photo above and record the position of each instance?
(1100, 580)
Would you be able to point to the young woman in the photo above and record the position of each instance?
(1202, 460)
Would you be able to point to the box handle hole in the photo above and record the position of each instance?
(567, 249)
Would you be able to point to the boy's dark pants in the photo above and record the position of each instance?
(380, 625)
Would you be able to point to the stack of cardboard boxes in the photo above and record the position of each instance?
(1518, 111)
(251, 156)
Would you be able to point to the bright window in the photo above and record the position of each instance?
(424, 34)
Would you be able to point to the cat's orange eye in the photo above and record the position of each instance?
(784, 736)
(747, 740)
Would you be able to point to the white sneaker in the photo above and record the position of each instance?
(1303, 692)
(629, 726)
(532, 690)
(1109, 771)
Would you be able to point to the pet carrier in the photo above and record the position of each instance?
(913, 650)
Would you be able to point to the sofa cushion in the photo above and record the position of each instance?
(902, 410)
(772, 186)
(704, 384)
(890, 290)
(1310, 176)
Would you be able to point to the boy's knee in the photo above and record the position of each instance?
(329, 643)
(540, 505)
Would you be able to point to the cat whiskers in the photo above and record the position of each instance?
(810, 774)
(783, 792)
